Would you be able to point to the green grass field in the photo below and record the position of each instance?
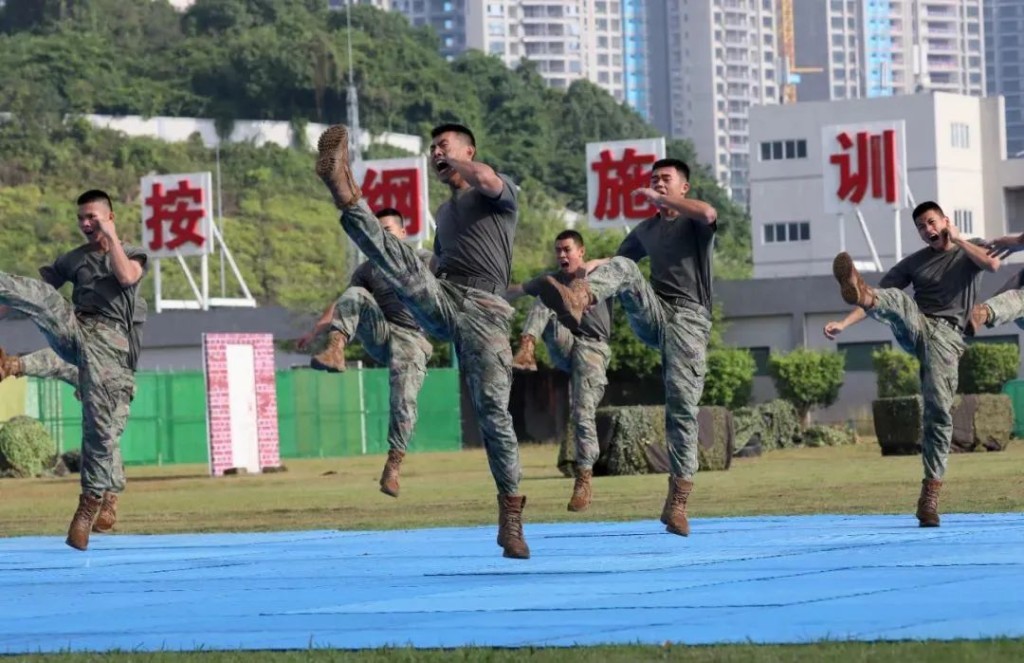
(442, 489)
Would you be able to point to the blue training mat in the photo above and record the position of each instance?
(764, 580)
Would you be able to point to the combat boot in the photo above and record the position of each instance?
(928, 503)
(510, 526)
(568, 301)
(852, 287)
(581, 492)
(389, 478)
(85, 516)
(524, 359)
(677, 520)
(668, 503)
(980, 315)
(332, 166)
(108, 514)
(332, 359)
(10, 366)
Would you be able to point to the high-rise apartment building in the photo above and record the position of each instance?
(1004, 65)
(710, 61)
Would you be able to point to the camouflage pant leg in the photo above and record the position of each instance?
(589, 378)
(898, 310)
(49, 311)
(409, 353)
(943, 348)
(537, 319)
(621, 276)
(1006, 307)
(684, 365)
(485, 357)
(358, 316)
(559, 341)
(46, 363)
(108, 387)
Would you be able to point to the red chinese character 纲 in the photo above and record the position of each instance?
(875, 164)
(182, 209)
(400, 189)
(618, 182)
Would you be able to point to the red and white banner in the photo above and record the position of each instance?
(177, 214)
(401, 184)
(865, 166)
(615, 170)
(241, 402)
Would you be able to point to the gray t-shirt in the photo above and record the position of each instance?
(475, 233)
(681, 252)
(369, 276)
(945, 282)
(95, 288)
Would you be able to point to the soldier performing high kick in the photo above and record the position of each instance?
(582, 353)
(464, 302)
(369, 311)
(671, 313)
(93, 333)
(945, 275)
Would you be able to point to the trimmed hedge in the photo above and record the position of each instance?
(26, 448)
(980, 422)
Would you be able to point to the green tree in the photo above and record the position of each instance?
(807, 379)
(729, 379)
(897, 373)
(986, 367)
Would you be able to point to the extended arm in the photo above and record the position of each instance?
(478, 175)
(833, 329)
(697, 210)
(320, 327)
(979, 255)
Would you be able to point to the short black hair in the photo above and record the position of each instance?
(926, 206)
(457, 128)
(570, 234)
(388, 211)
(678, 164)
(95, 195)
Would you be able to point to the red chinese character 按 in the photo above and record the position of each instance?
(399, 189)
(181, 208)
(876, 162)
(618, 182)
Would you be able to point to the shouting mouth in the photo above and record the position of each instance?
(934, 237)
(442, 167)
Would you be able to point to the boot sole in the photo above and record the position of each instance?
(333, 168)
(845, 273)
(578, 509)
(525, 555)
(85, 547)
(677, 531)
(386, 491)
(317, 365)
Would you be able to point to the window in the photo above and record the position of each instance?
(964, 220)
(858, 355)
(960, 135)
(793, 231)
(761, 358)
(776, 150)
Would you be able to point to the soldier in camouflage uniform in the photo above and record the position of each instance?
(671, 313)
(369, 312)
(583, 354)
(945, 275)
(464, 302)
(94, 333)
(1007, 305)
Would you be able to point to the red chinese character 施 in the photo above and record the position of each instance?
(618, 182)
(179, 211)
(875, 157)
(399, 189)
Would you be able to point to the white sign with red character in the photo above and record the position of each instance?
(615, 171)
(177, 212)
(865, 166)
(401, 184)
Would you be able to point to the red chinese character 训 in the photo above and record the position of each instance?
(618, 182)
(875, 164)
(182, 210)
(400, 189)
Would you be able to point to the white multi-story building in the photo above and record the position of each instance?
(953, 148)
(719, 59)
(1004, 65)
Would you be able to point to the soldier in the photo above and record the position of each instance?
(945, 275)
(95, 333)
(369, 312)
(1007, 305)
(671, 313)
(464, 302)
(583, 353)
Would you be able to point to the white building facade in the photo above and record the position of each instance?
(953, 151)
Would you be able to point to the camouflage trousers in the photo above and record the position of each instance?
(46, 363)
(477, 322)
(404, 351)
(681, 332)
(1007, 305)
(938, 347)
(99, 347)
(586, 361)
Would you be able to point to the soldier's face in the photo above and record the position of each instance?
(669, 181)
(449, 144)
(570, 255)
(393, 225)
(931, 226)
(89, 216)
